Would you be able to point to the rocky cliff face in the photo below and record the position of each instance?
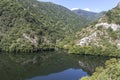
(108, 33)
(114, 27)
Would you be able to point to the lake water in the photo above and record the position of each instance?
(48, 66)
(68, 74)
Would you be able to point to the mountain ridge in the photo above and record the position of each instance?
(89, 15)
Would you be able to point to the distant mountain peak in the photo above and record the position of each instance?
(92, 16)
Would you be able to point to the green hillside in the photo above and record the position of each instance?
(30, 25)
(110, 72)
(99, 38)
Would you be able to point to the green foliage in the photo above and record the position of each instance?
(110, 72)
(99, 27)
(112, 16)
(94, 50)
(112, 34)
(29, 25)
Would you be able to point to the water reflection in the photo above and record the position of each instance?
(69, 74)
(49, 65)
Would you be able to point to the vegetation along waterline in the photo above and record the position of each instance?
(110, 72)
(46, 65)
(34, 27)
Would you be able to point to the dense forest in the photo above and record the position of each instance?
(30, 25)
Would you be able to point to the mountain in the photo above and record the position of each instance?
(99, 38)
(92, 16)
(30, 25)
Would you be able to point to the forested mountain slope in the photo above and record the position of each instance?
(99, 38)
(30, 25)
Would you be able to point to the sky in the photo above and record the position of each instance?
(89, 5)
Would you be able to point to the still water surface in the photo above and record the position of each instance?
(48, 66)
(68, 74)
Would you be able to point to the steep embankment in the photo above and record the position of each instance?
(99, 38)
(30, 25)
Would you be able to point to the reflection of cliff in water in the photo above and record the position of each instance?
(19, 67)
(89, 63)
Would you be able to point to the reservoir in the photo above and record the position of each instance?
(48, 66)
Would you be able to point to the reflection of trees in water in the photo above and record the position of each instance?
(17, 67)
(89, 63)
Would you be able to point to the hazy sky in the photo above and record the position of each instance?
(89, 5)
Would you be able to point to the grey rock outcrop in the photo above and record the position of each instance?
(115, 27)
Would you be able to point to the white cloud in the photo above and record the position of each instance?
(86, 9)
(74, 8)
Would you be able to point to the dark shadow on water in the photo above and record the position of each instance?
(48, 65)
